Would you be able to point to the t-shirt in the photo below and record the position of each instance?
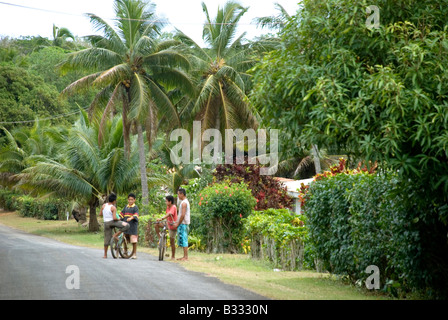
(128, 212)
(187, 213)
(173, 218)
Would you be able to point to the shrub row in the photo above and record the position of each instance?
(278, 236)
(357, 220)
(27, 206)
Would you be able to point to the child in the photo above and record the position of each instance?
(171, 218)
(109, 212)
(130, 215)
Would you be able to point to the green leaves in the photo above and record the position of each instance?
(375, 94)
(222, 207)
(378, 219)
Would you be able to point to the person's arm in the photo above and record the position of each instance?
(164, 217)
(170, 213)
(183, 211)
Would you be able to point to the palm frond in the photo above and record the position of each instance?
(113, 75)
(140, 97)
(111, 40)
(115, 97)
(167, 58)
(81, 85)
(164, 105)
(90, 59)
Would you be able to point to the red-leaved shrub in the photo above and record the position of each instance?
(268, 191)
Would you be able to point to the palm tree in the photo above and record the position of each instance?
(221, 71)
(60, 36)
(178, 174)
(87, 171)
(25, 146)
(131, 68)
(277, 22)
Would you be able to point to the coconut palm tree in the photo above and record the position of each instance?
(131, 69)
(277, 22)
(25, 146)
(177, 174)
(60, 36)
(87, 170)
(221, 71)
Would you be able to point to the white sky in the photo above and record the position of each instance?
(186, 15)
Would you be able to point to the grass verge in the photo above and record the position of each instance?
(237, 269)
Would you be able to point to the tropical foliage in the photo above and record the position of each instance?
(268, 192)
(129, 64)
(279, 237)
(332, 85)
(87, 171)
(220, 70)
(222, 207)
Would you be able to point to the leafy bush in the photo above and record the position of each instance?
(222, 207)
(268, 191)
(8, 199)
(357, 220)
(27, 206)
(279, 236)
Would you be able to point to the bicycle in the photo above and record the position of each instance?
(162, 240)
(120, 247)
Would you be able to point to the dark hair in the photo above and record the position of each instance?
(132, 196)
(112, 197)
(182, 190)
(170, 198)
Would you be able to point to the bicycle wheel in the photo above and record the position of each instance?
(162, 245)
(114, 248)
(124, 247)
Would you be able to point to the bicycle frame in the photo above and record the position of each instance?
(119, 247)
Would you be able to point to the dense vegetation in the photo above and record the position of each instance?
(81, 118)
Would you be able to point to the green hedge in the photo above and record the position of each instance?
(357, 220)
(8, 199)
(280, 237)
(27, 206)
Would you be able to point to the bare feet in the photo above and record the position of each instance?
(183, 259)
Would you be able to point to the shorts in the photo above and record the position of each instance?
(182, 235)
(108, 229)
(133, 238)
(172, 233)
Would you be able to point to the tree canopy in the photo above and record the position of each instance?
(377, 94)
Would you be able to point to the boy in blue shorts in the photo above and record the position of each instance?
(182, 223)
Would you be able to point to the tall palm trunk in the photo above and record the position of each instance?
(142, 162)
(126, 126)
(93, 221)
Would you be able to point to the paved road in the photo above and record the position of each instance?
(34, 267)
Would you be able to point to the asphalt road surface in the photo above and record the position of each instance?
(34, 267)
